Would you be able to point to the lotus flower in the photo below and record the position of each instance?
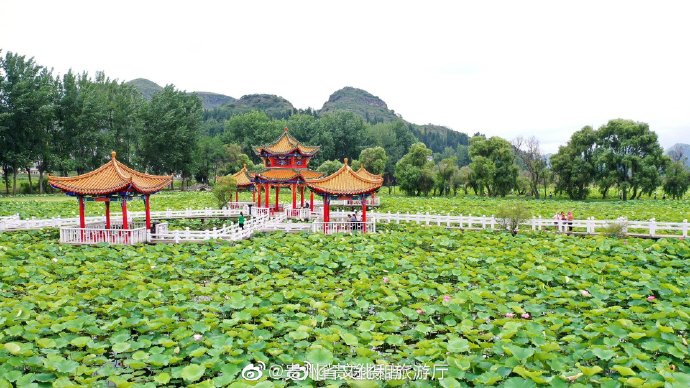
(420, 311)
(55, 259)
(651, 298)
(525, 316)
(197, 337)
(585, 293)
(446, 298)
(153, 267)
(510, 315)
(385, 279)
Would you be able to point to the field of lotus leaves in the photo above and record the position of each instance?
(534, 309)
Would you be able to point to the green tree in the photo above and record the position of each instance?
(251, 129)
(529, 152)
(172, 123)
(374, 159)
(676, 180)
(628, 153)
(445, 171)
(574, 164)
(26, 98)
(414, 171)
(329, 167)
(223, 190)
(493, 165)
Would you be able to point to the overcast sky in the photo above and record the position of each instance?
(507, 68)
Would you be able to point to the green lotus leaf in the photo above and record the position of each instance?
(192, 372)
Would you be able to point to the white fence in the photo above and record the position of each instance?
(589, 226)
(15, 223)
(343, 227)
(94, 236)
(232, 232)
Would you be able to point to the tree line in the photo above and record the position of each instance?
(622, 153)
(68, 123)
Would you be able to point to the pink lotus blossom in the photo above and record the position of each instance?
(446, 298)
(651, 298)
(197, 337)
(420, 311)
(585, 293)
(510, 315)
(385, 279)
(525, 315)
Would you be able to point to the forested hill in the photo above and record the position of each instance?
(145, 87)
(209, 100)
(371, 108)
(680, 152)
(374, 110)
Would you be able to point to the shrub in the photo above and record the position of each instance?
(511, 216)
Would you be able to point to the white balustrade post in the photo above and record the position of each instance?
(652, 227)
(685, 228)
(427, 218)
(534, 224)
(493, 222)
(483, 221)
(448, 220)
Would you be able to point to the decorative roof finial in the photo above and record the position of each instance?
(346, 161)
(113, 154)
(285, 129)
(244, 166)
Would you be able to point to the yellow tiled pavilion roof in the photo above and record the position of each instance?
(110, 178)
(286, 144)
(344, 182)
(363, 172)
(242, 177)
(284, 174)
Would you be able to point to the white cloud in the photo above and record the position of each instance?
(505, 68)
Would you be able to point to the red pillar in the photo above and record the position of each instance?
(277, 193)
(82, 217)
(125, 225)
(107, 214)
(364, 214)
(294, 196)
(237, 196)
(258, 188)
(253, 196)
(148, 211)
(311, 200)
(301, 196)
(268, 193)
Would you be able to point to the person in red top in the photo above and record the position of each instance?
(570, 221)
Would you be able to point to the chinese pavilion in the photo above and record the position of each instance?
(287, 165)
(112, 182)
(243, 179)
(345, 184)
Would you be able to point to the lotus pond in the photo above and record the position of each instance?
(497, 310)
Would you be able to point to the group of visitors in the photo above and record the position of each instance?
(563, 219)
(353, 222)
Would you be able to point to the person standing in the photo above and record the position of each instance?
(570, 221)
(240, 221)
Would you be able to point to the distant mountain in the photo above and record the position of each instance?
(145, 87)
(680, 151)
(369, 107)
(274, 106)
(213, 100)
(374, 110)
(438, 137)
(208, 100)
